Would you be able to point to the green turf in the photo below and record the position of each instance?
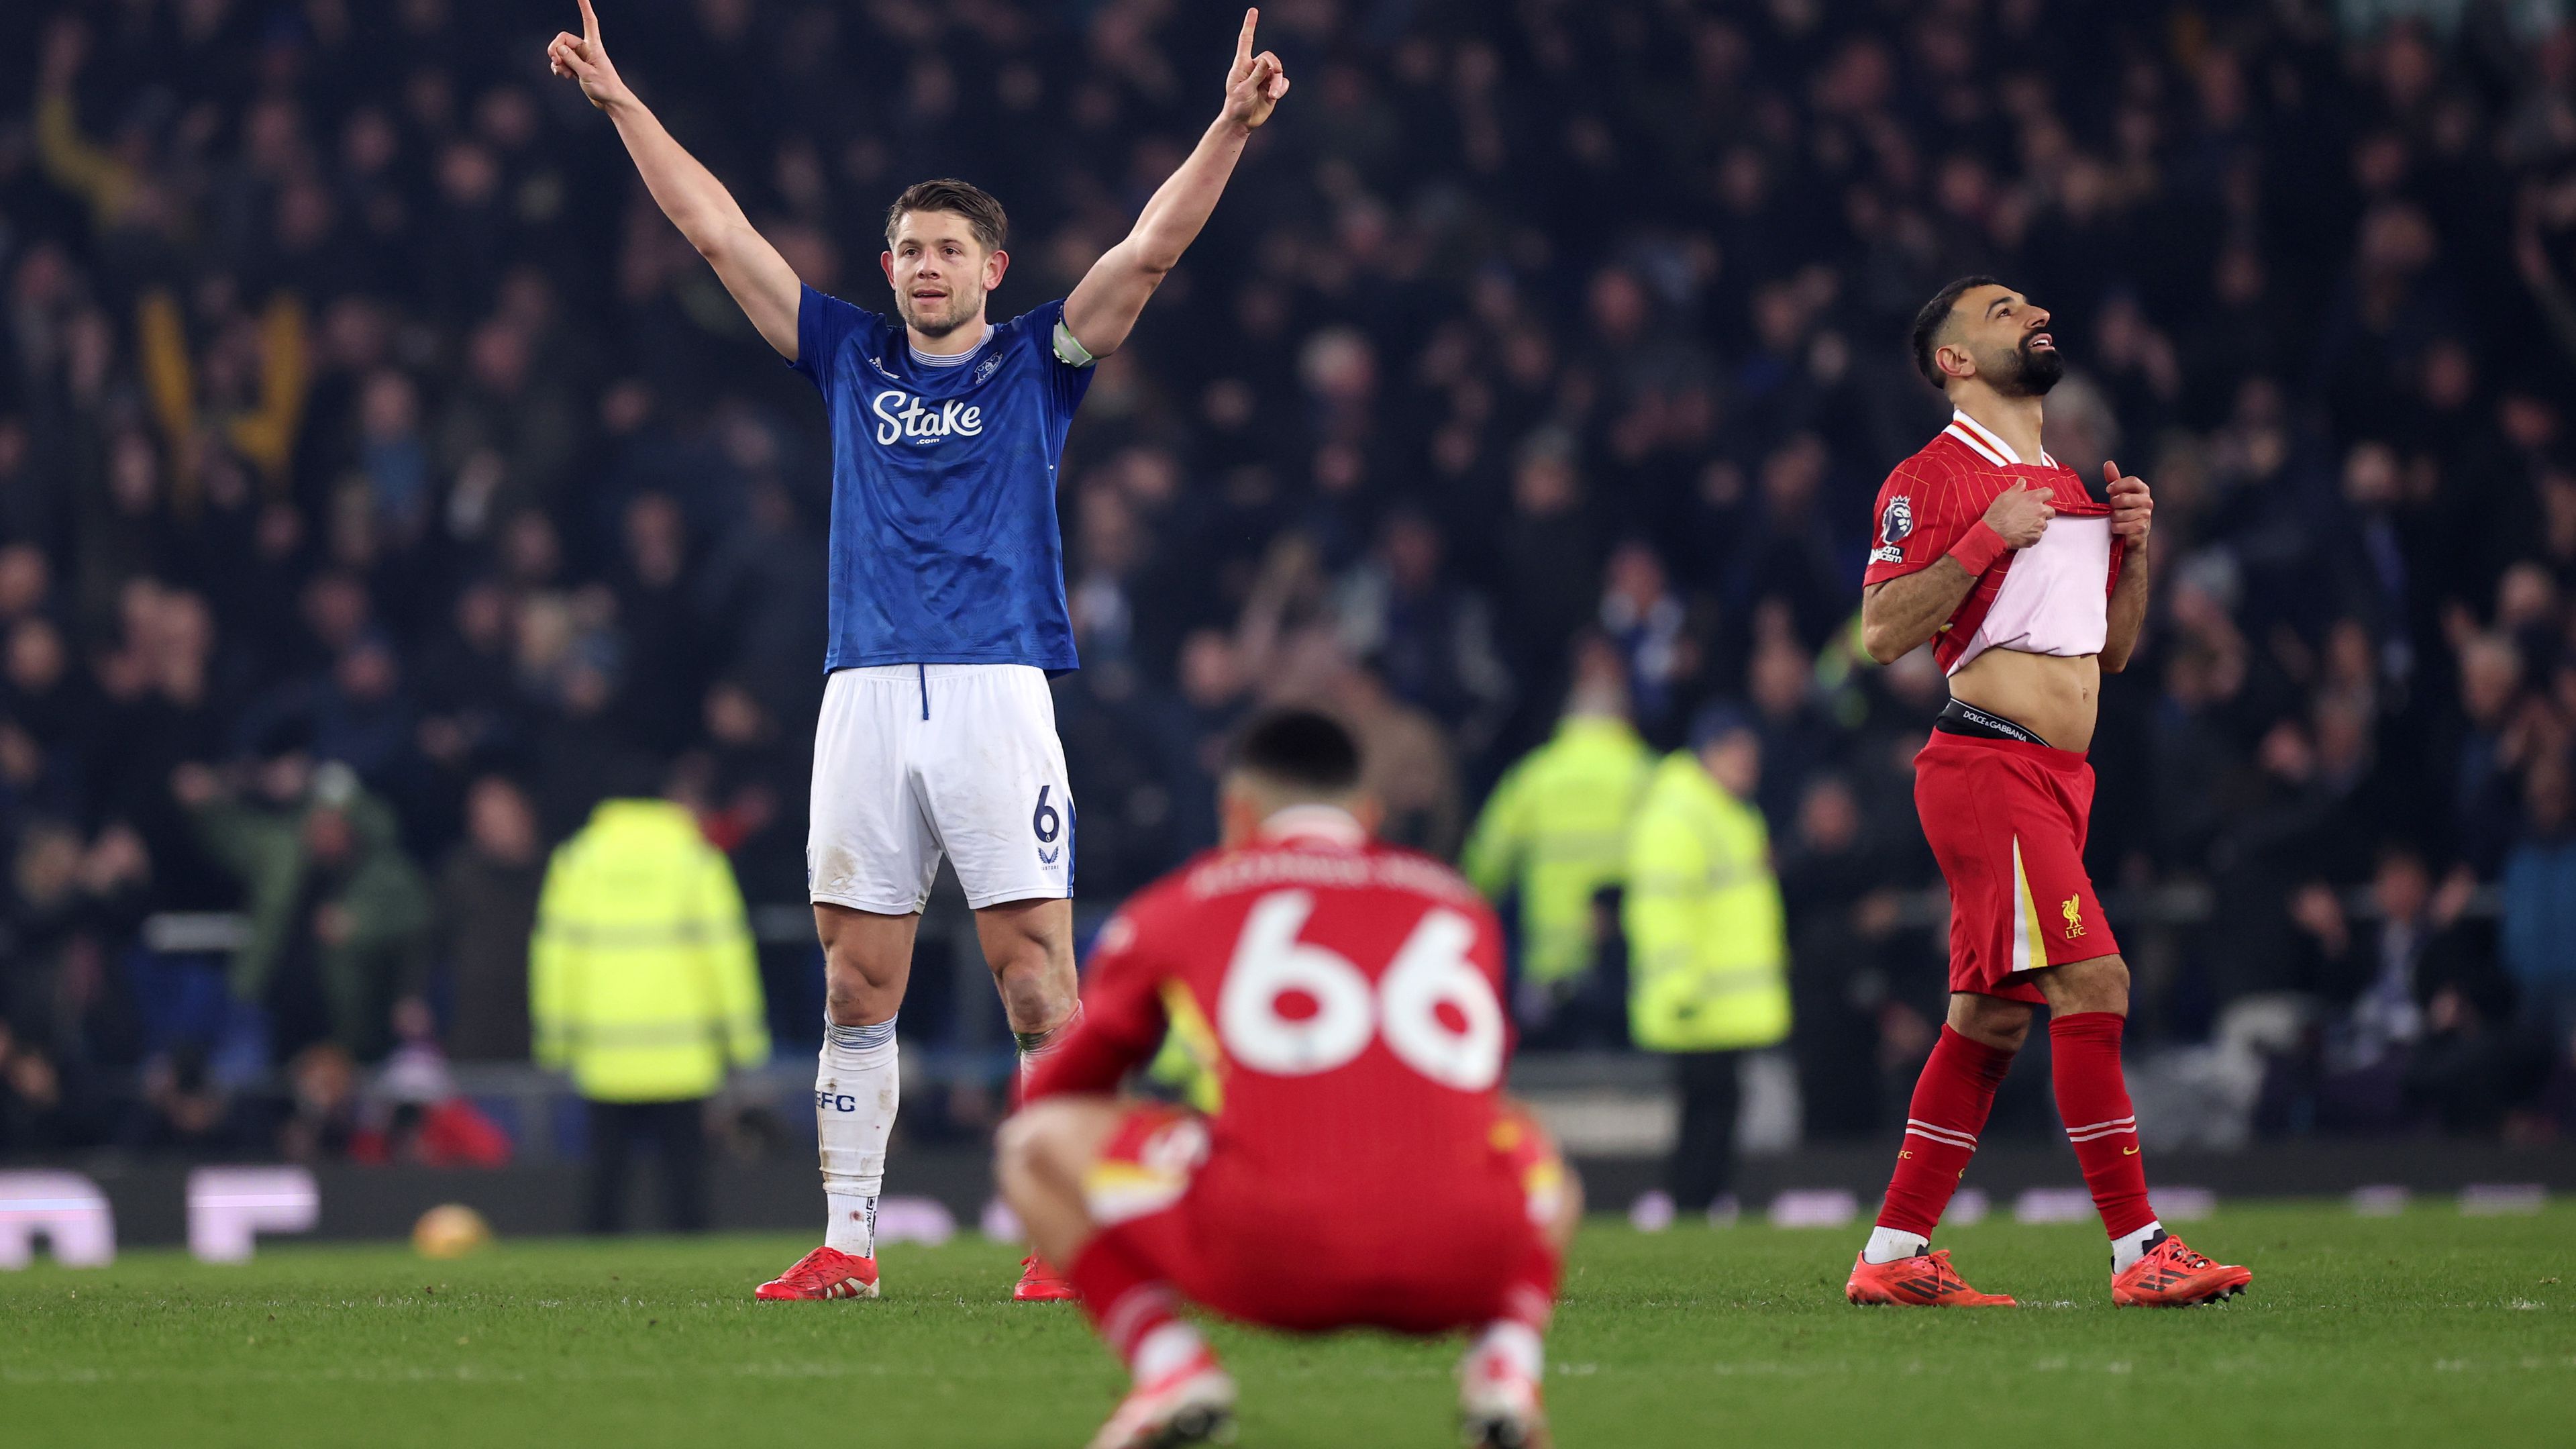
(2426, 1329)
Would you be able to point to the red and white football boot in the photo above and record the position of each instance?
(822, 1273)
(2171, 1275)
(1193, 1404)
(1925, 1280)
(1041, 1284)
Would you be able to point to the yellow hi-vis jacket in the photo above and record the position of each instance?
(1708, 949)
(1557, 829)
(641, 977)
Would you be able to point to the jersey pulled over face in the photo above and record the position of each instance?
(2053, 597)
(944, 546)
(1348, 997)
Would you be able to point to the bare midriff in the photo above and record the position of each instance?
(2054, 696)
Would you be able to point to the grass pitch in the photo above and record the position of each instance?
(2423, 1329)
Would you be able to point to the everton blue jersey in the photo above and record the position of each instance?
(944, 541)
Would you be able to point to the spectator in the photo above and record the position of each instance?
(2380, 980)
(1647, 622)
(1406, 762)
(36, 1112)
(1430, 637)
(1842, 918)
(413, 1111)
(487, 909)
(339, 919)
(71, 904)
(2540, 906)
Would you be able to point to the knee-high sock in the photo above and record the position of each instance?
(857, 1087)
(2093, 1098)
(1951, 1100)
(1135, 1312)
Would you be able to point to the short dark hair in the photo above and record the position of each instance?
(1302, 750)
(1936, 315)
(983, 214)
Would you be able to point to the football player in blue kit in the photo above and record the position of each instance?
(947, 598)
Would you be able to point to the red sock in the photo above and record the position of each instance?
(1529, 1297)
(1951, 1100)
(2093, 1098)
(1123, 1297)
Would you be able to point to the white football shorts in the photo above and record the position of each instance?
(912, 760)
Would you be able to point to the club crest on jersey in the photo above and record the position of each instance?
(901, 417)
(986, 368)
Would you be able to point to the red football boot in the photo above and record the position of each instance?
(1925, 1280)
(1193, 1404)
(2171, 1275)
(1041, 1284)
(822, 1273)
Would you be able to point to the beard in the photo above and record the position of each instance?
(2031, 373)
(942, 316)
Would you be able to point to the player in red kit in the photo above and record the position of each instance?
(2028, 589)
(1360, 1169)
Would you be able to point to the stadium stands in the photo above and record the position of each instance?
(378, 469)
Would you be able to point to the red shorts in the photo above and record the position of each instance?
(2007, 822)
(1238, 1244)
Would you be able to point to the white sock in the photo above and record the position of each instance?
(857, 1086)
(1886, 1245)
(1517, 1343)
(1165, 1350)
(2129, 1249)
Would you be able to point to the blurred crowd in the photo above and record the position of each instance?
(382, 481)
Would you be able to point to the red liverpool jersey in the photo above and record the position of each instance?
(1938, 494)
(1347, 996)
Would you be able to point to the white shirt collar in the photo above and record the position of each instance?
(1329, 824)
(1987, 443)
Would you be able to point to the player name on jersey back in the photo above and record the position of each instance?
(1263, 869)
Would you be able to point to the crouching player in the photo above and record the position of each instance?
(1359, 1168)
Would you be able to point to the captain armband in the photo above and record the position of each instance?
(1978, 548)
(1069, 351)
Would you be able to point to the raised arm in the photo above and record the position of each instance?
(689, 194)
(2133, 516)
(1103, 310)
(1903, 613)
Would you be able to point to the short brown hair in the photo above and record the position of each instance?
(983, 214)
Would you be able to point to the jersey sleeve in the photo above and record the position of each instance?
(1917, 520)
(1122, 1016)
(1066, 366)
(823, 323)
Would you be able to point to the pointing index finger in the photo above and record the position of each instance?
(1242, 43)
(589, 23)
